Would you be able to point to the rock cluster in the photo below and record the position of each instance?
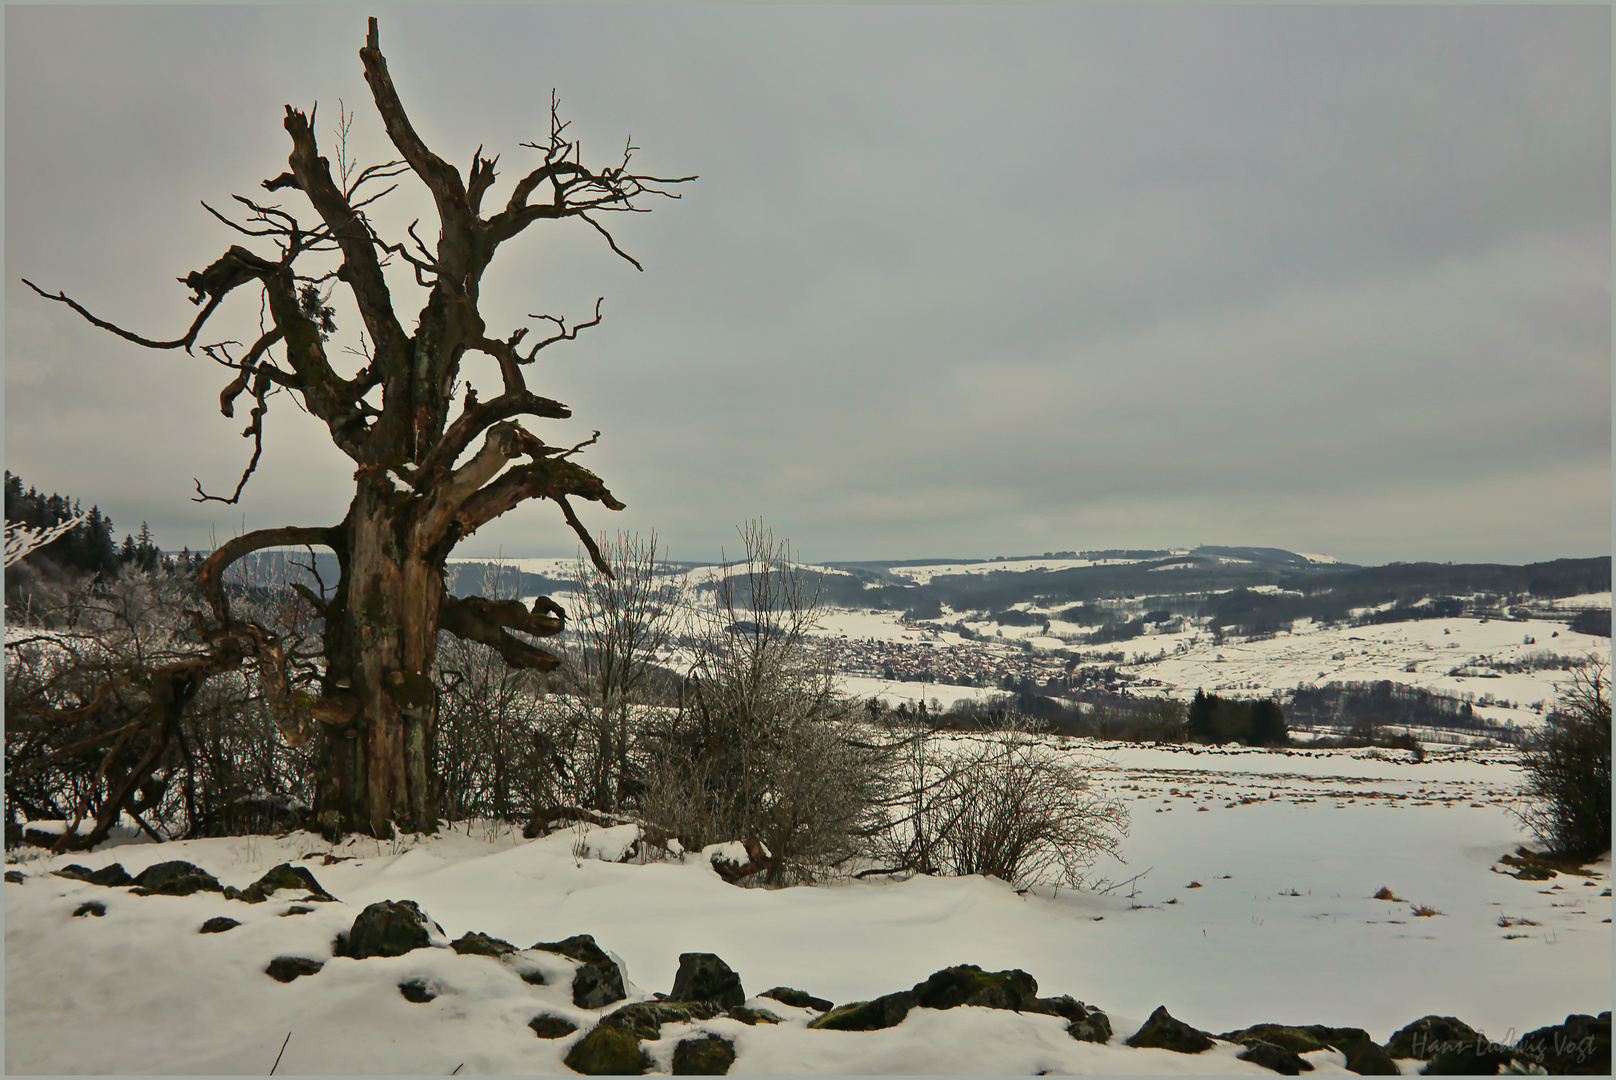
(705, 988)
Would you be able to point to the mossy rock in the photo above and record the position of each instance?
(219, 924)
(580, 947)
(798, 999)
(284, 876)
(1085, 1023)
(1163, 1032)
(710, 1055)
(608, 1051)
(91, 907)
(1364, 1056)
(752, 1017)
(1578, 1047)
(417, 991)
(546, 1026)
(388, 928)
(1296, 1040)
(286, 968)
(1094, 1028)
(968, 984)
(114, 876)
(645, 1018)
(1481, 1059)
(598, 981)
(175, 878)
(479, 944)
(886, 1011)
(1274, 1057)
(1429, 1036)
(705, 977)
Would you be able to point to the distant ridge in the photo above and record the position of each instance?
(1270, 555)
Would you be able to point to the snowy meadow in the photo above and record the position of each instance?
(1247, 896)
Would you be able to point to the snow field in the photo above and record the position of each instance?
(1288, 850)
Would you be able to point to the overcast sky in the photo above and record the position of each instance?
(953, 282)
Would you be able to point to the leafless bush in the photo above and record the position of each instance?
(501, 749)
(81, 730)
(1003, 805)
(617, 627)
(1568, 768)
(763, 745)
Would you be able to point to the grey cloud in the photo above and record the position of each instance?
(953, 280)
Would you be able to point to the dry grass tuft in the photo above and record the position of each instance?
(1386, 894)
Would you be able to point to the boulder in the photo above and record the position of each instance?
(1485, 1058)
(1363, 1055)
(15, 877)
(704, 977)
(219, 924)
(388, 928)
(479, 944)
(91, 907)
(1296, 1040)
(417, 991)
(608, 1051)
(645, 1018)
(296, 909)
(752, 1017)
(175, 878)
(1429, 1036)
(113, 876)
(286, 968)
(1164, 1032)
(595, 987)
(598, 981)
(797, 998)
(968, 984)
(284, 876)
(546, 1026)
(883, 1012)
(1274, 1057)
(706, 1056)
(1578, 1047)
(1086, 1024)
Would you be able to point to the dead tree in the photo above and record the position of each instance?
(374, 714)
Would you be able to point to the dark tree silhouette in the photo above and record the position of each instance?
(420, 485)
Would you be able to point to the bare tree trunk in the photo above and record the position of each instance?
(376, 769)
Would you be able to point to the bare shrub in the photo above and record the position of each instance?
(617, 628)
(762, 744)
(86, 739)
(1005, 805)
(501, 753)
(1568, 768)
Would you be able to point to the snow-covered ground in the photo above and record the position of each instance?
(1254, 905)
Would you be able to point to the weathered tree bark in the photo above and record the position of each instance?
(373, 713)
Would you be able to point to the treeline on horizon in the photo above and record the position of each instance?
(1359, 713)
(1226, 594)
(90, 547)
